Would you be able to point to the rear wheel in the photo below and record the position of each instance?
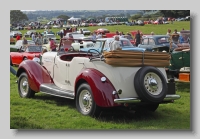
(85, 103)
(24, 89)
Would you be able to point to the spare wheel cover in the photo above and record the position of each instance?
(150, 84)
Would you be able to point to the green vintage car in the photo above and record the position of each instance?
(180, 58)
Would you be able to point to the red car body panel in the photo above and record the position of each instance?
(102, 31)
(36, 74)
(17, 57)
(110, 35)
(102, 91)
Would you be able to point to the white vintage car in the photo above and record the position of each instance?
(99, 80)
(84, 44)
(85, 31)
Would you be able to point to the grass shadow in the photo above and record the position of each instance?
(121, 115)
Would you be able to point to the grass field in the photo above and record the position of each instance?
(49, 112)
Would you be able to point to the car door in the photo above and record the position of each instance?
(60, 73)
(16, 57)
(186, 58)
(74, 68)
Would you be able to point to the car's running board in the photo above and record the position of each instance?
(52, 89)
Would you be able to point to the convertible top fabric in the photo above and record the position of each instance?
(136, 58)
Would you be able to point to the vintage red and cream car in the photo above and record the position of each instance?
(99, 80)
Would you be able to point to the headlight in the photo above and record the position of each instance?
(36, 59)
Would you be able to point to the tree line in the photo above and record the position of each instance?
(17, 16)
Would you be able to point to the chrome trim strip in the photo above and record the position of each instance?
(52, 89)
(137, 100)
(171, 97)
(127, 100)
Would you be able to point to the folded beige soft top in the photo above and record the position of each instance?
(136, 58)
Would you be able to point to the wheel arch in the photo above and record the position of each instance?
(36, 74)
(78, 83)
(102, 91)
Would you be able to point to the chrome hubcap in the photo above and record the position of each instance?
(85, 101)
(24, 86)
(153, 83)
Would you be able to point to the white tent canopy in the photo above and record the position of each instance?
(74, 19)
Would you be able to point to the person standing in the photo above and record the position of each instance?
(39, 40)
(168, 32)
(24, 42)
(115, 45)
(33, 37)
(94, 37)
(175, 36)
(81, 30)
(61, 34)
(45, 40)
(52, 45)
(181, 39)
(121, 35)
(17, 37)
(99, 35)
(137, 38)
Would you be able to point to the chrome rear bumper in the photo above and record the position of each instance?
(137, 100)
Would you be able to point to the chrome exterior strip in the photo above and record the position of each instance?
(137, 100)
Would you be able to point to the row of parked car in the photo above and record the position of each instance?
(148, 43)
(157, 43)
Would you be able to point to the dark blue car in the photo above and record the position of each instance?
(152, 42)
(125, 44)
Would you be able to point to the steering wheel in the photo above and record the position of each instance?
(94, 50)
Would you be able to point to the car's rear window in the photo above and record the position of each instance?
(163, 40)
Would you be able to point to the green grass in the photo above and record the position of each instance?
(49, 112)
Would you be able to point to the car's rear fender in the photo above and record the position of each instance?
(36, 74)
(102, 90)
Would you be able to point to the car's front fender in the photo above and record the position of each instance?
(36, 74)
(102, 90)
